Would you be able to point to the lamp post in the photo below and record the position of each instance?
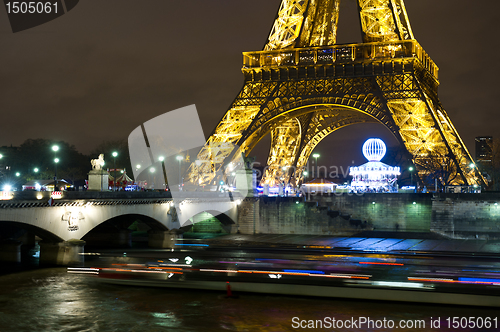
(180, 158)
(411, 175)
(316, 156)
(56, 160)
(55, 148)
(114, 154)
(35, 172)
(162, 159)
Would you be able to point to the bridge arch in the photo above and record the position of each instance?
(117, 231)
(209, 221)
(284, 109)
(298, 127)
(15, 229)
(124, 221)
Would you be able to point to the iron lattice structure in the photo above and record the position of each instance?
(303, 86)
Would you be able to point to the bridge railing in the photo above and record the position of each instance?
(74, 195)
(44, 196)
(340, 54)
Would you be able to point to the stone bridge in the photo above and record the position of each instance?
(72, 217)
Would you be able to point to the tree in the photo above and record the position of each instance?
(38, 153)
(441, 167)
(399, 156)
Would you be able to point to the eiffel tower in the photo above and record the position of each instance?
(303, 86)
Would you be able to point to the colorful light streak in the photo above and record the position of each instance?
(377, 263)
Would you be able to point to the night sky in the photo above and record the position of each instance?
(102, 69)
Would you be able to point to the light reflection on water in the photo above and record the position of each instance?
(53, 300)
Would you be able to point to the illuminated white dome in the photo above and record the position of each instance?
(374, 149)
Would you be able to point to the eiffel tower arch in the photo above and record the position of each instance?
(303, 86)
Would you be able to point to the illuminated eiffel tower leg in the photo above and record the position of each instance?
(303, 86)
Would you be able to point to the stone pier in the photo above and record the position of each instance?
(164, 239)
(63, 253)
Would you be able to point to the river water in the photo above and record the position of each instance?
(52, 299)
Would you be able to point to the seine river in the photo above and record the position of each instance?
(54, 300)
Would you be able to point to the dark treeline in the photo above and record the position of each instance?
(34, 160)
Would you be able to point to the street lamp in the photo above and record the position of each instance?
(114, 154)
(35, 170)
(180, 158)
(316, 156)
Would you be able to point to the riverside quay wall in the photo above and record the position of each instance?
(452, 215)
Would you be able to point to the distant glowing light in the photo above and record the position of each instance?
(479, 280)
(378, 263)
(304, 271)
(414, 203)
(399, 284)
(7, 187)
